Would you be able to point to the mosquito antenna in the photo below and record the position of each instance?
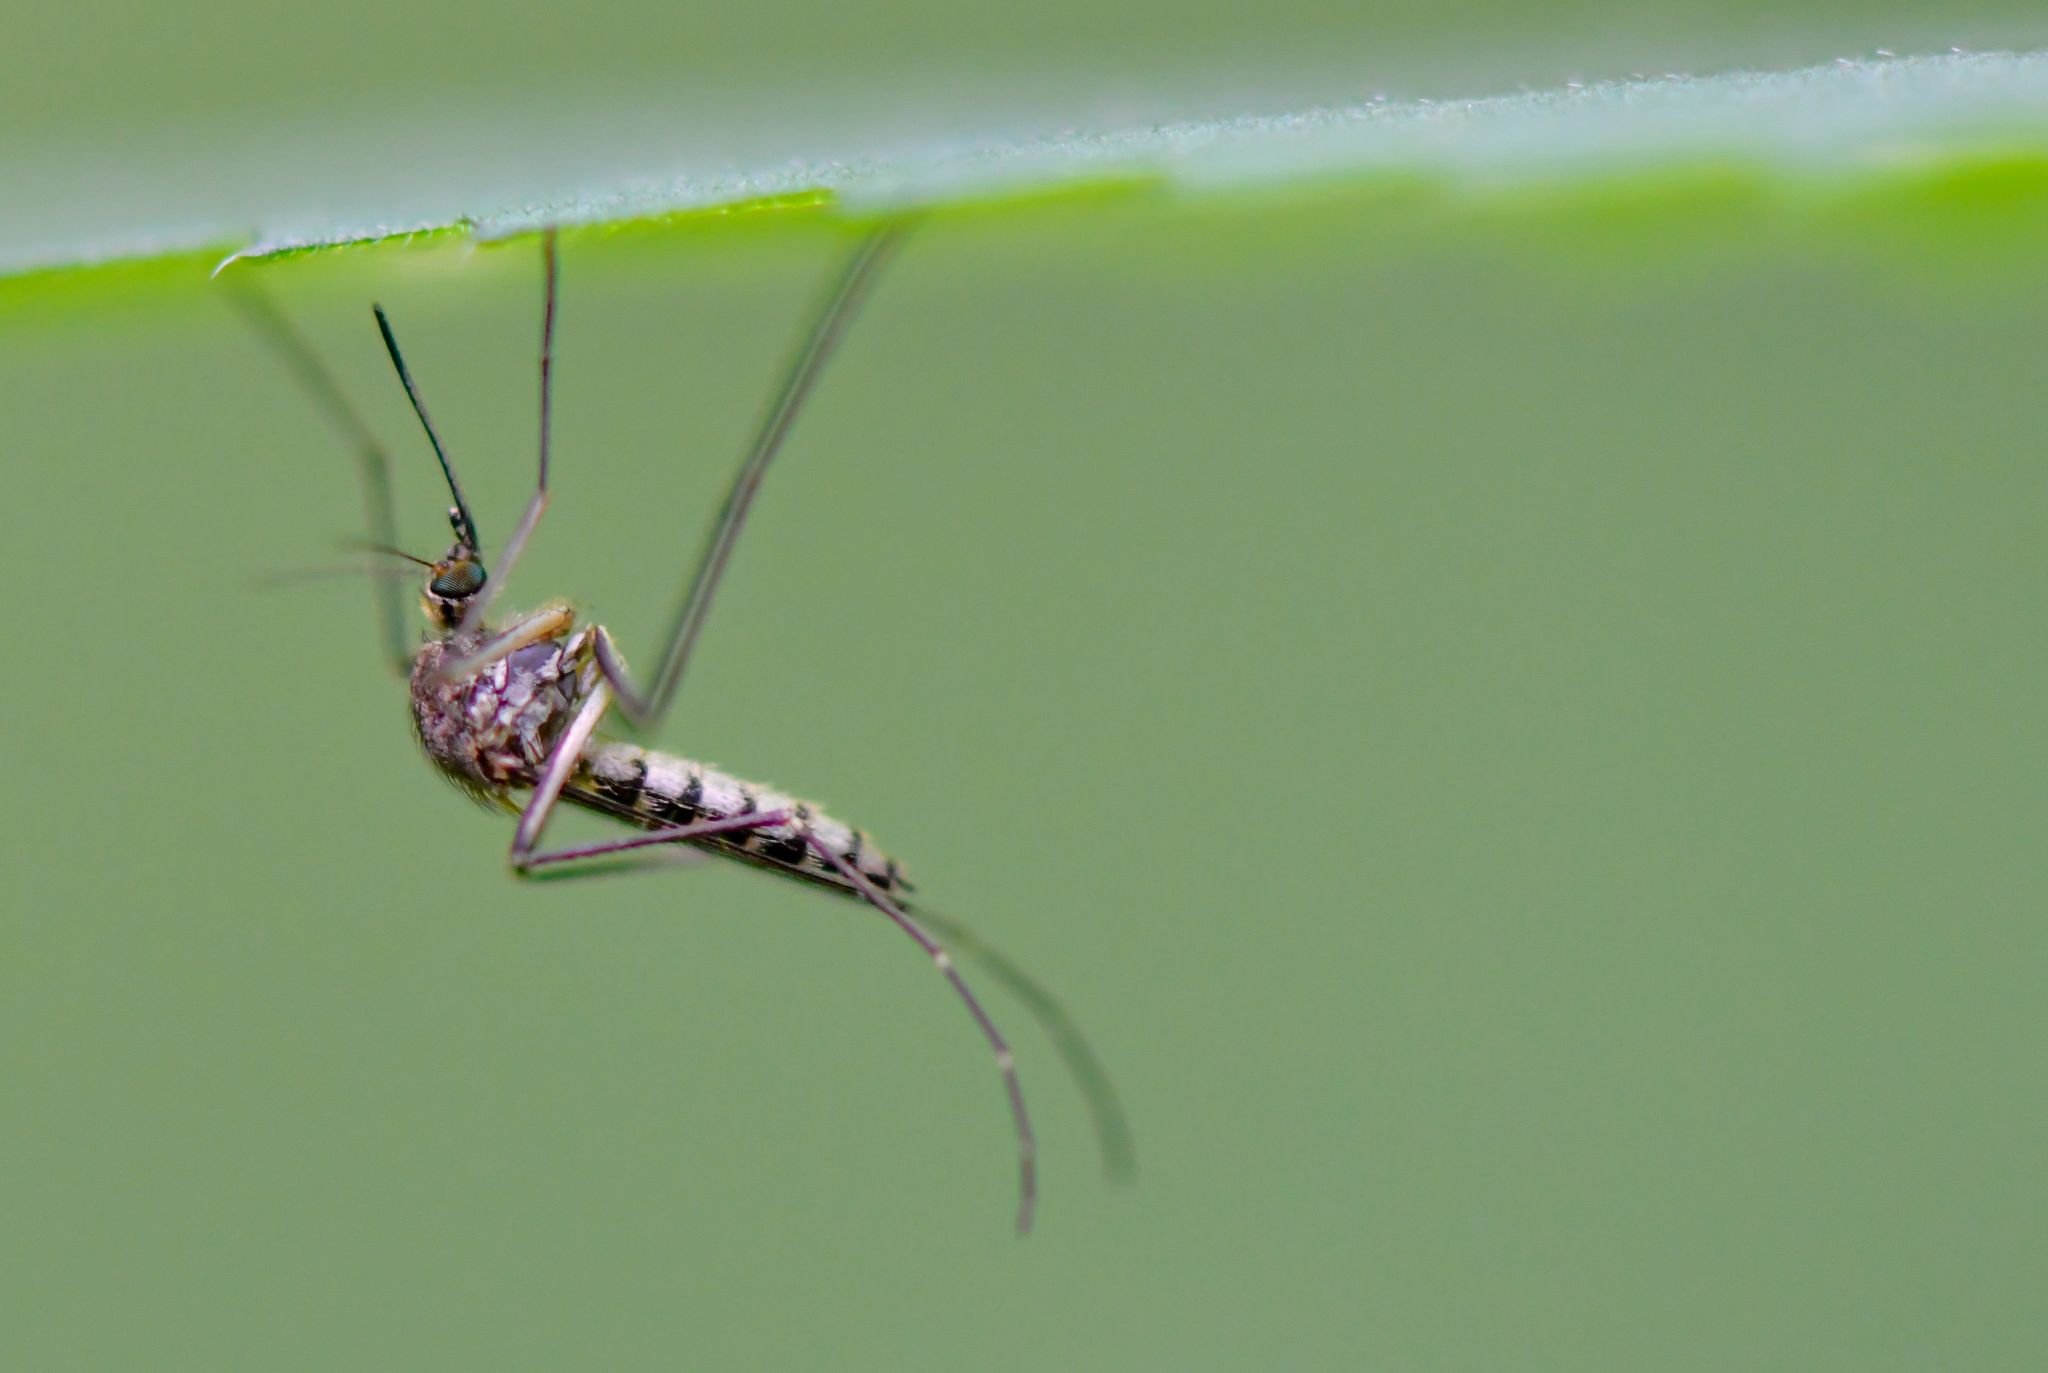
(261, 314)
(389, 550)
(294, 576)
(830, 323)
(369, 567)
(465, 525)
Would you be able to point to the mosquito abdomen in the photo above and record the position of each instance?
(656, 790)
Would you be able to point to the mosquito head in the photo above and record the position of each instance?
(455, 578)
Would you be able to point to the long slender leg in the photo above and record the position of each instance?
(261, 314)
(555, 775)
(849, 290)
(538, 504)
(547, 792)
(1105, 1110)
(1006, 1062)
(669, 858)
(674, 834)
(525, 861)
(546, 623)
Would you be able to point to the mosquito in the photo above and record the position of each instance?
(512, 713)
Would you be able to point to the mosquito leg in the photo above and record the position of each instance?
(670, 859)
(277, 332)
(533, 818)
(633, 703)
(675, 834)
(827, 325)
(537, 506)
(525, 861)
(1105, 1109)
(548, 623)
(1006, 1062)
(1112, 1127)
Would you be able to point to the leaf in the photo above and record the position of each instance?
(1894, 150)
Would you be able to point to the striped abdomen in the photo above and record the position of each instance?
(658, 790)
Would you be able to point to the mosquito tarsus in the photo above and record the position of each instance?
(511, 715)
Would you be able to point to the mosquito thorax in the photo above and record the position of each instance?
(454, 580)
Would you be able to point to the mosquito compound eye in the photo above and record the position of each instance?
(457, 580)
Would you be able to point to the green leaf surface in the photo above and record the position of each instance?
(1959, 139)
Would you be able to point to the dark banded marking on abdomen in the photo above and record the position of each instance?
(788, 849)
(653, 790)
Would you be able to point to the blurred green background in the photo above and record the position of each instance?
(129, 64)
(1518, 736)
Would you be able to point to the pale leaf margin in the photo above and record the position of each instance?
(1925, 147)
